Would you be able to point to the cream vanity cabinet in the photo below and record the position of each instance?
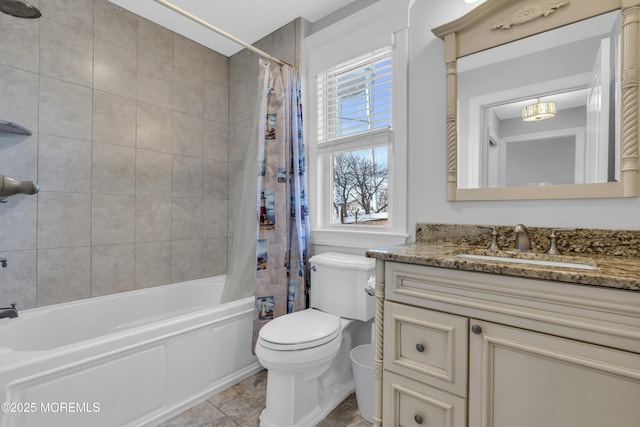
(484, 350)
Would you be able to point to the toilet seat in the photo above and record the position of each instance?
(300, 330)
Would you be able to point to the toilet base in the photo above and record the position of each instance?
(328, 401)
(303, 398)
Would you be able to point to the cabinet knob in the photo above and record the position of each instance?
(476, 329)
(420, 347)
(418, 419)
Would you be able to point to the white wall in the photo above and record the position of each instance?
(427, 199)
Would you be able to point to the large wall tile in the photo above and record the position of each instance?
(75, 14)
(154, 128)
(216, 68)
(186, 260)
(114, 119)
(19, 156)
(153, 218)
(18, 226)
(214, 218)
(216, 141)
(64, 274)
(64, 219)
(20, 42)
(112, 219)
(19, 93)
(64, 164)
(152, 264)
(188, 55)
(186, 219)
(240, 135)
(155, 42)
(153, 173)
(188, 134)
(214, 256)
(113, 169)
(65, 53)
(188, 93)
(65, 109)
(18, 283)
(116, 25)
(112, 269)
(216, 102)
(155, 82)
(215, 179)
(115, 69)
(187, 177)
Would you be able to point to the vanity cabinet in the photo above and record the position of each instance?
(485, 350)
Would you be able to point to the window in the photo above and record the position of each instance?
(354, 123)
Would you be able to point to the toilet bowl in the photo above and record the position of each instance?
(306, 353)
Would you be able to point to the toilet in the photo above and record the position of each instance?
(306, 353)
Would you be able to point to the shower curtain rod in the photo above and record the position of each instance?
(220, 31)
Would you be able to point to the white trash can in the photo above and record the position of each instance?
(362, 365)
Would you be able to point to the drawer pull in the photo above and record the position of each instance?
(418, 419)
(476, 329)
(420, 347)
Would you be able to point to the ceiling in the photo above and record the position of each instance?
(248, 20)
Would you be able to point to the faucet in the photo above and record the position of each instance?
(9, 312)
(522, 242)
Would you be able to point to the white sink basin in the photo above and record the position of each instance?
(529, 261)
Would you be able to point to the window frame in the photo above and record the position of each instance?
(322, 56)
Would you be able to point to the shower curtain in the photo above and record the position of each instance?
(280, 263)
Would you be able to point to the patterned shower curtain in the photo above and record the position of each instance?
(281, 254)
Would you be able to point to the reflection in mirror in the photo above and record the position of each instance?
(576, 67)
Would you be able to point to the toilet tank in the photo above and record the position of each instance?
(338, 282)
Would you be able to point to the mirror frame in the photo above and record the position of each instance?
(496, 22)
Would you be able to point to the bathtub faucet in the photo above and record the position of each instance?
(9, 312)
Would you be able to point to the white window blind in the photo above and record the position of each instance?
(356, 96)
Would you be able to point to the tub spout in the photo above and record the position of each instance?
(9, 312)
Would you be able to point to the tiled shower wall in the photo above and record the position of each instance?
(129, 147)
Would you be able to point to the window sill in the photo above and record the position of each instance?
(360, 239)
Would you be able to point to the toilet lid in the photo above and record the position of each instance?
(300, 330)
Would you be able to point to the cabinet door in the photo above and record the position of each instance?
(519, 378)
(408, 403)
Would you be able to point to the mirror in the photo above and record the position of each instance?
(571, 63)
(576, 67)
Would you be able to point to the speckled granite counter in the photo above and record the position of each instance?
(440, 243)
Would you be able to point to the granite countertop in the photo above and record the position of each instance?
(616, 272)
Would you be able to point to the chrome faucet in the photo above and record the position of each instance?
(522, 242)
(9, 312)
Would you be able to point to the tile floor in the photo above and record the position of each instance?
(241, 405)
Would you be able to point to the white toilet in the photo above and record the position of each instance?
(307, 353)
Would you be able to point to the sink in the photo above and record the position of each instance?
(536, 259)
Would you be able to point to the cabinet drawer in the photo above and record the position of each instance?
(426, 345)
(411, 404)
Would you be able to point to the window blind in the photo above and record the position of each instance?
(356, 96)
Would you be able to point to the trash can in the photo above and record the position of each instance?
(362, 365)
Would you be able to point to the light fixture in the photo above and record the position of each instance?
(539, 111)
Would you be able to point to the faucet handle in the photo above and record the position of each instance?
(493, 246)
(553, 248)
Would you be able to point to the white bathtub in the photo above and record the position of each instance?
(130, 359)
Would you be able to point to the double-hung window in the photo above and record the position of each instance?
(354, 115)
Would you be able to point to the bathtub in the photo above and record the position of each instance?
(130, 359)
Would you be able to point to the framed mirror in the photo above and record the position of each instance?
(542, 100)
